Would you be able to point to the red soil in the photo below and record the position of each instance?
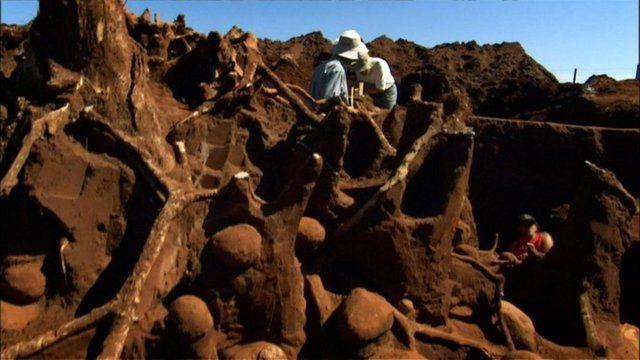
(166, 194)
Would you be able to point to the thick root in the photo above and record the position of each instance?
(380, 135)
(498, 282)
(295, 101)
(51, 337)
(400, 174)
(49, 122)
(591, 332)
(129, 295)
(412, 328)
(125, 304)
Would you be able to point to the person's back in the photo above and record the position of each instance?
(379, 74)
(329, 80)
(375, 71)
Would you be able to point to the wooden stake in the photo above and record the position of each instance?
(575, 72)
(352, 102)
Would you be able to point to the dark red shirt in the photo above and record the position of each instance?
(519, 247)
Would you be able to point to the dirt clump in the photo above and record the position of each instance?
(22, 282)
(364, 316)
(237, 246)
(310, 237)
(189, 317)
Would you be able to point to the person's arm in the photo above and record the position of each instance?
(545, 246)
(534, 252)
(547, 242)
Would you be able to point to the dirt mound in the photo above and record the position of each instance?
(307, 51)
(498, 80)
(175, 195)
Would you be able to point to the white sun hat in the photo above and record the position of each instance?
(364, 60)
(348, 45)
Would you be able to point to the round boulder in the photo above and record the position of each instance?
(260, 350)
(311, 235)
(205, 348)
(189, 318)
(363, 316)
(23, 282)
(237, 246)
(520, 326)
(17, 317)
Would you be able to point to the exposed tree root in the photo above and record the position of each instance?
(412, 328)
(302, 92)
(125, 305)
(400, 174)
(201, 110)
(295, 101)
(455, 340)
(383, 140)
(160, 183)
(498, 281)
(495, 278)
(591, 332)
(51, 337)
(49, 122)
(129, 296)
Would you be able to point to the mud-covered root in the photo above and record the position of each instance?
(386, 146)
(125, 305)
(498, 281)
(398, 176)
(295, 101)
(413, 331)
(48, 123)
(156, 179)
(592, 339)
(51, 337)
(129, 296)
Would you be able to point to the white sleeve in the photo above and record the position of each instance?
(387, 78)
(378, 70)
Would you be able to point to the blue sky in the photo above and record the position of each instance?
(596, 36)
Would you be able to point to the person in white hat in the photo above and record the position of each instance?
(376, 72)
(329, 79)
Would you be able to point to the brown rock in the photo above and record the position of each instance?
(520, 325)
(16, 317)
(237, 246)
(260, 350)
(190, 318)
(364, 316)
(310, 237)
(23, 283)
(205, 348)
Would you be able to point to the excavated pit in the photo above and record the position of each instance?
(167, 194)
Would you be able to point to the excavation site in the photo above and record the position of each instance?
(171, 194)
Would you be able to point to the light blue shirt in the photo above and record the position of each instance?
(329, 80)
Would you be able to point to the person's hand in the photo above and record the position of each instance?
(533, 251)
